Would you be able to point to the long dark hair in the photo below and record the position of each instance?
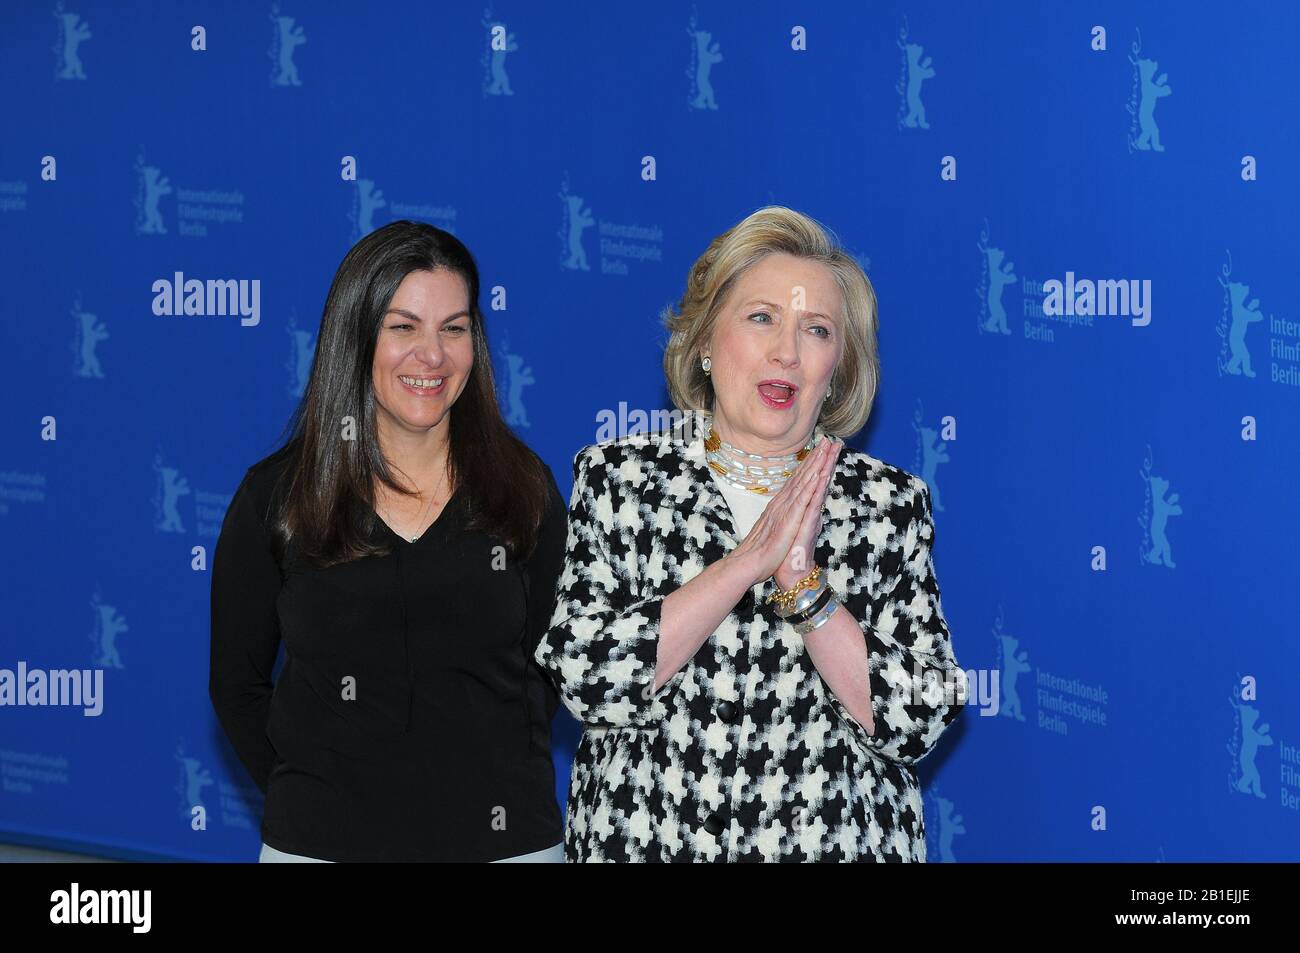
(327, 488)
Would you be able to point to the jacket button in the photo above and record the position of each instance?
(727, 712)
(713, 824)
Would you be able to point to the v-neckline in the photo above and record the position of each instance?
(442, 515)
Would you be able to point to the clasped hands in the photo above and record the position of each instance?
(781, 542)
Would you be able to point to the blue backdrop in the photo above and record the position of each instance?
(1113, 479)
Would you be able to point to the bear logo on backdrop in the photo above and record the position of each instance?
(705, 54)
(365, 202)
(575, 219)
(1158, 505)
(916, 69)
(621, 244)
(931, 451)
(88, 332)
(941, 826)
(1061, 702)
(1071, 304)
(196, 208)
(1238, 314)
(1237, 317)
(151, 186)
(513, 376)
(1148, 90)
(286, 36)
(995, 275)
(194, 777)
(107, 624)
(500, 41)
(237, 805)
(73, 31)
(1012, 663)
(1249, 734)
(367, 199)
(169, 487)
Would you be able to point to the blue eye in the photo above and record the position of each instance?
(760, 313)
(825, 331)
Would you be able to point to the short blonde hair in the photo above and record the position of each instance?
(775, 229)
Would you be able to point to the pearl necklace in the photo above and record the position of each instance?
(752, 472)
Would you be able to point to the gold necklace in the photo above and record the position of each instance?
(758, 474)
(423, 511)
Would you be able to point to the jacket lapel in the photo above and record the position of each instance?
(708, 500)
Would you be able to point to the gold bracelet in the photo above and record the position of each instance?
(784, 598)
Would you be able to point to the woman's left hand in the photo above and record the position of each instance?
(798, 562)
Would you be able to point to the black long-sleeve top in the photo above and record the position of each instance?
(409, 720)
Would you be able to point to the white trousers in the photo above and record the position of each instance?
(551, 855)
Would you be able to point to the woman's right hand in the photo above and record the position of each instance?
(764, 550)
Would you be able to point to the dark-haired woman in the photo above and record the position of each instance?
(405, 547)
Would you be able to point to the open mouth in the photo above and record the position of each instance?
(423, 385)
(777, 393)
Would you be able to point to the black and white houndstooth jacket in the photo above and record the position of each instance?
(744, 754)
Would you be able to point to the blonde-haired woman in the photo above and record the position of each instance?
(748, 622)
